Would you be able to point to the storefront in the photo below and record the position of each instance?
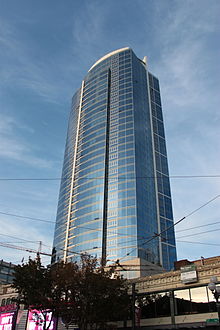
(36, 319)
(179, 298)
(8, 315)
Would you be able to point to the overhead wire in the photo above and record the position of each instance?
(16, 237)
(172, 226)
(150, 239)
(9, 242)
(83, 251)
(200, 226)
(120, 178)
(199, 233)
(97, 229)
(202, 243)
(80, 252)
(25, 217)
(49, 221)
(84, 227)
(141, 237)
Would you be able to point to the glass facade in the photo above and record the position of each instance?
(115, 191)
(6, 272)
(185, 302)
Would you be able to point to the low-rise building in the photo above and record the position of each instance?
(6, 272)
(177, 299)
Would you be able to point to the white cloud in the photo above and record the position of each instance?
(19, 70)
(185, 56)
(28, 231)
(189, 88)
(181, 33)
(14, 148)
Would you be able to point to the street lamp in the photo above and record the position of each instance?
(216, 292)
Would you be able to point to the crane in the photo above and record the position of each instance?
(11, 246)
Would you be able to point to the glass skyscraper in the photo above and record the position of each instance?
(115, 190)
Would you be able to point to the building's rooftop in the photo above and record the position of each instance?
(108, 55)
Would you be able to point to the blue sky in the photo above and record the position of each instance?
(46, 48)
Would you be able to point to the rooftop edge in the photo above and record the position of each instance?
(108, 55)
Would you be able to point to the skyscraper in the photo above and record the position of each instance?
(115, 190)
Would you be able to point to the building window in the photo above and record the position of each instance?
(199, 300)
(112, 223)
(192, 301)
(112, 232)
(155, 305)
(8, 301)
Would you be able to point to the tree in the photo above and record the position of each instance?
(34, 285)
(99, 298)
(83, 293)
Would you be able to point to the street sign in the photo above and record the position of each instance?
(212, 321)
(188, 274)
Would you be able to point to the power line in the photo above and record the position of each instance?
(195, 227)
(177, 239)
(150, 239)
(9, 242)
(97, 229)
(202, 243)
(202, 232)
(49, 221)
(25, 217)
(139, 238)
(84, 227)
(23, 248)
(19, 238)
(8, 245)
(199, 208)
(173, 225)
(30, 179)
(11, 246)
(196, 242)
(120, 178)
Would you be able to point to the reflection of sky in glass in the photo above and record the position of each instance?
(211, 297)
(199, 294)
(109, 156)
(162, 294)
(182, 294)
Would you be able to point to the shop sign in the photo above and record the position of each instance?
(8, 308)
(212, 321)
(7, 320)
(36, 320)
(189, 274)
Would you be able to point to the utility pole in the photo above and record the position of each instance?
(133, 306)
(172, 309)
(40, 246)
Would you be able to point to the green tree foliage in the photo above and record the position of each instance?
(83, 293)
(33, 283)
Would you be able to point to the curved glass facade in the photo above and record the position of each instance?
(115, 191)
